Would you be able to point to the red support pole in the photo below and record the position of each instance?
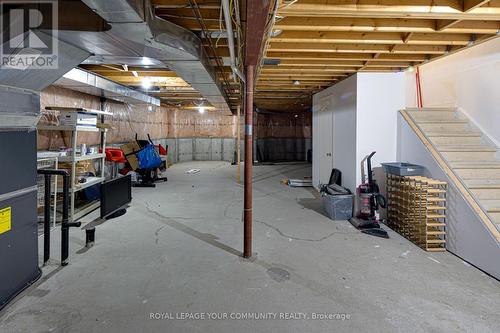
(247, 215)
(419, 88)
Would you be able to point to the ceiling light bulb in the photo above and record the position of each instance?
(296, 82)
(146, 83)
(201, 110)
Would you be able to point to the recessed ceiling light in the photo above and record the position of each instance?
(296, 82)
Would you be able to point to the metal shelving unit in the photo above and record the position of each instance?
(74, 158)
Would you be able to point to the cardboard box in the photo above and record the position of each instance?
(68, 118)
(129, 149)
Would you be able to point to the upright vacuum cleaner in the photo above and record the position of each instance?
(369, 200)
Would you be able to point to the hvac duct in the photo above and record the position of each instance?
(137, 33)
(89, 83)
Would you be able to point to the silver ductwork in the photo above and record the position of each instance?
(137, 33)
(131, 35)
(89, 83)
(36, 79)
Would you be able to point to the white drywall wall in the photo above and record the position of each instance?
(468, 79)
(379, 98)
(340, 101)
(466, 235)
(364, 109)
(344, 130)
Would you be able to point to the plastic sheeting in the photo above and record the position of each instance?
(128, 120)
(165, 122)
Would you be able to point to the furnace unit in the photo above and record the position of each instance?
(18, 192)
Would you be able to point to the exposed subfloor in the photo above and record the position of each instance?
(177, 251)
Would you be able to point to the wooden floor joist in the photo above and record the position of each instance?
(312, 44)
(371, 35)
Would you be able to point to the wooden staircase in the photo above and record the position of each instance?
(467, 153)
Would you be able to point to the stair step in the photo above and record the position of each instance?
(431, 109)
(430, 115)
(483, 183)
(488, 193)
(475, 165)
(477, 173)
(442, 121)
(454, 134)
(469, 155)
(456, 140)
(446, 126)
(466, 148)
(492, 206)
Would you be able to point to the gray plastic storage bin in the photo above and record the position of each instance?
(403, 169)
(338, 207)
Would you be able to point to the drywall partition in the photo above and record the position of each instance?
(363, 119)
(379, 98)
(466, 235)
(469, 80)
(344, 131)
(334, 132)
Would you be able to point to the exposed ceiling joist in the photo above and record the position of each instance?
(372, 38)
(382, 25)
(318, 42)
(356, 48)
(312, 56)
(437, 9)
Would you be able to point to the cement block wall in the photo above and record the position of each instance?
(223, 149)
(283, 149)
(199, 149)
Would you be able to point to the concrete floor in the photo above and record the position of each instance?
(177, 251)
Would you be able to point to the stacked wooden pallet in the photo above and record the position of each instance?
(416, 210)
